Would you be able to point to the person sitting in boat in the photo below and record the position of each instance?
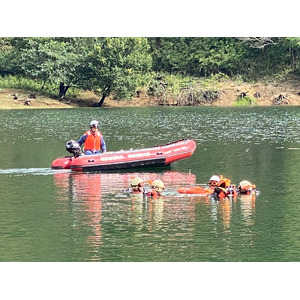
(246, 187)
(93, 140)
(157, 186)
(136, 186)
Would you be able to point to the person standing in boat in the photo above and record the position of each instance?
(93, 140)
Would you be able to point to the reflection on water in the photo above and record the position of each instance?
(85, 192)
(113, 219)
(49, 215)
(223, 209)
(248, 208)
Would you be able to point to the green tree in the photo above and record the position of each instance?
(5, 56)
(116, 66)
(269, 58)
(196, 56)
(50, 60)
(5, 44)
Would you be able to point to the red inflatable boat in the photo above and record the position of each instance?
(157, 156)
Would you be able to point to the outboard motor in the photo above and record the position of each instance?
(73, 147)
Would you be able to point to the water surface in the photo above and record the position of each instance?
(50, 215)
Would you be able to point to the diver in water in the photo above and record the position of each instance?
(226, 189)
(157, 186)
(136, 186)
(222, 187)
(246, 187)
(213, 181)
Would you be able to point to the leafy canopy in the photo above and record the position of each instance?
(117, 65)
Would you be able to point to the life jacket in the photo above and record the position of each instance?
(92, 142)
(219, 192)
(153, 194)
(224, 182)
(224, 189)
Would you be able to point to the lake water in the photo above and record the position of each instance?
(60, 216)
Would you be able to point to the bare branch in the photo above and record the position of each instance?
(258, 42)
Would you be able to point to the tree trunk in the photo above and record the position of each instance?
(62, 90)
(102, 100)
(106, 92)
(43, 84)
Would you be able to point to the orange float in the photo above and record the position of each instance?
(197, 189)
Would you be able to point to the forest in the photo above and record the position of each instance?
(122, 67)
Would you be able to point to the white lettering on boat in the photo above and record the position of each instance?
(139, 155)
(108, 158)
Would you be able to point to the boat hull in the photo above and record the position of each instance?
(159, 156)
(62, 162)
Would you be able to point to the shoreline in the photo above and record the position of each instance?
(289, 91)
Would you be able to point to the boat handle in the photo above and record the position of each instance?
(90, 160)
(159, 153)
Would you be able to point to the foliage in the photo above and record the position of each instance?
(50, 59)
(121, 66)
(196, 56)
(274, 61)
(117, 65)
(251, 59)
(186, 90)
(19, 83)
(194, 95)
(104, 65)
(31, 85)
(245, 101)
(259, 42)
(5, 44)
(47, 61)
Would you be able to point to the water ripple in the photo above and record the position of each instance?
(31, 171)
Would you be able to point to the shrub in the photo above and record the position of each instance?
(245, 101)
(31, 85)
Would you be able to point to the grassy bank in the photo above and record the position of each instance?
(21, 99)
